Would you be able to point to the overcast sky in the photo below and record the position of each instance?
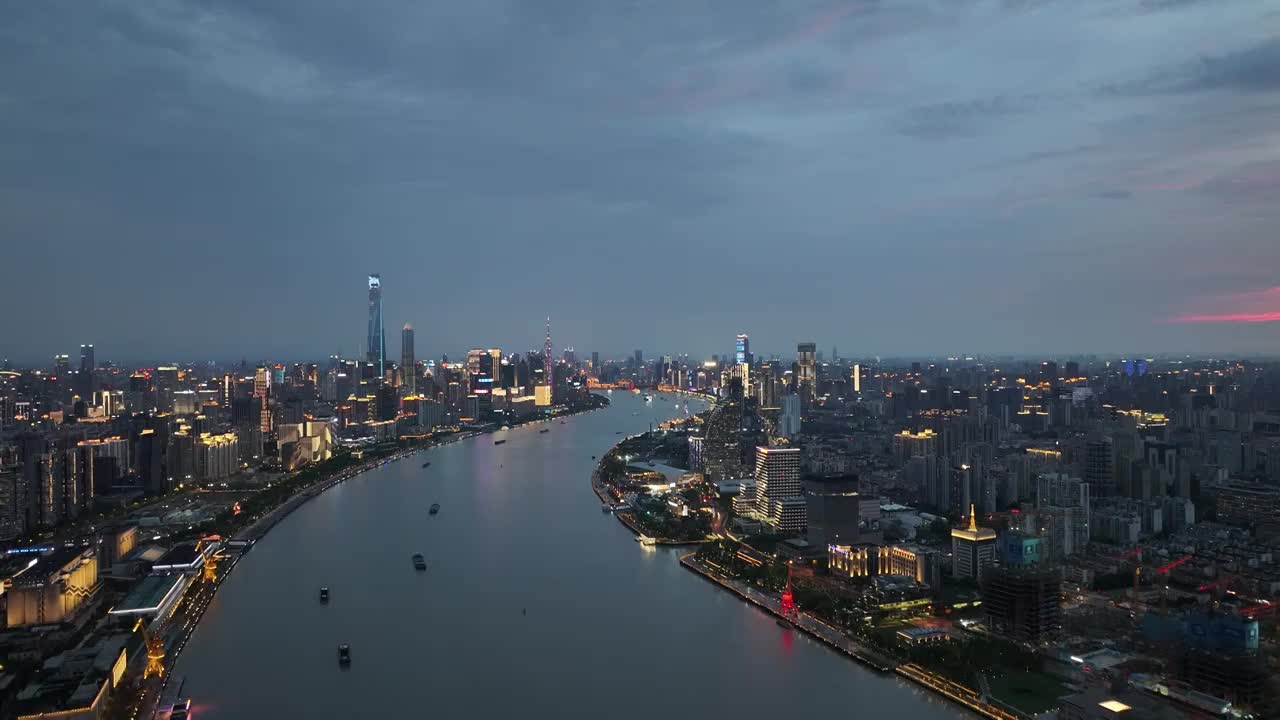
(184, 179)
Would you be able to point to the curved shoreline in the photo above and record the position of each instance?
(302, 497)
(824, 634)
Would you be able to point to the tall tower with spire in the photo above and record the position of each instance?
(542, 393)
(546, 355)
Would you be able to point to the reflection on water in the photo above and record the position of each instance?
(534, 604)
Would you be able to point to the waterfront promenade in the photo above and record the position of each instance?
(528, 584)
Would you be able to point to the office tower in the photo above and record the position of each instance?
(166, 381)
(261, 396)
(84, 380)
(639, 358)
(972, 548)
(778, 488)
(595, 363)
(376, 348)
(1023, 604)
(1099, 467)
(789, 418)
(837, 514)
(743, 353)
(570, 357)
(807, 379)
(61, 364)
(407, 366)
(151, 460)
(855, 378)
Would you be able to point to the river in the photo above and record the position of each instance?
(535, 604)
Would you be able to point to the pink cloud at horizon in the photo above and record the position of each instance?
(1257, 306)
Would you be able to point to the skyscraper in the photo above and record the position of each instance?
(261, 395)
(778, 498)
(406, 360)
(84, 380)
(377, 341)
(972, 548)
(743, 354)
(807, 382)
(856, 378)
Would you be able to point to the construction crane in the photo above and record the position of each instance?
(1165, 569)
(155, 651)
(212, 558)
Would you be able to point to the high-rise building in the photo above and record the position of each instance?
(376, 349)
(778, 488)
(837, 514)
(87, 362)
(1099, 469)
(261, 396)
(807, 380)
(907, 444)
(789, 417)
(1023, 604)
(743, 353)
(407, 365)
(1063, 508)
(855, 378)
(972, 548)
(595, 363)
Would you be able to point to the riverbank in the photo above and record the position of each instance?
(193, 607)
(843, 644)
(625, 516)
(805, 623)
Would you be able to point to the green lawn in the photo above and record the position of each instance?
(1030, 692)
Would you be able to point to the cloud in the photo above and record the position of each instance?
(1255, 69)
(1251, 307)
(262, 149)
(964, 117)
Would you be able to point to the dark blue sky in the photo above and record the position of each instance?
(183, 179)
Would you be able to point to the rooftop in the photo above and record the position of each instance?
(148, 595)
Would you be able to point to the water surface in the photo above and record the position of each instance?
(535, 604)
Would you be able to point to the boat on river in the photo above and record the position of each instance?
(435, 508)
(419, 562)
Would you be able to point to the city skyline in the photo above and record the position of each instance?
(908, 178)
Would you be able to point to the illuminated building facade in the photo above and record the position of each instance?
(308, 442)
(217, 457)
(807, 380)
(778, 488)
(376, 348)
(867, 560)
(907, 444)
(972, 548)
(54, 588)
(262, 398)
(918, 563)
